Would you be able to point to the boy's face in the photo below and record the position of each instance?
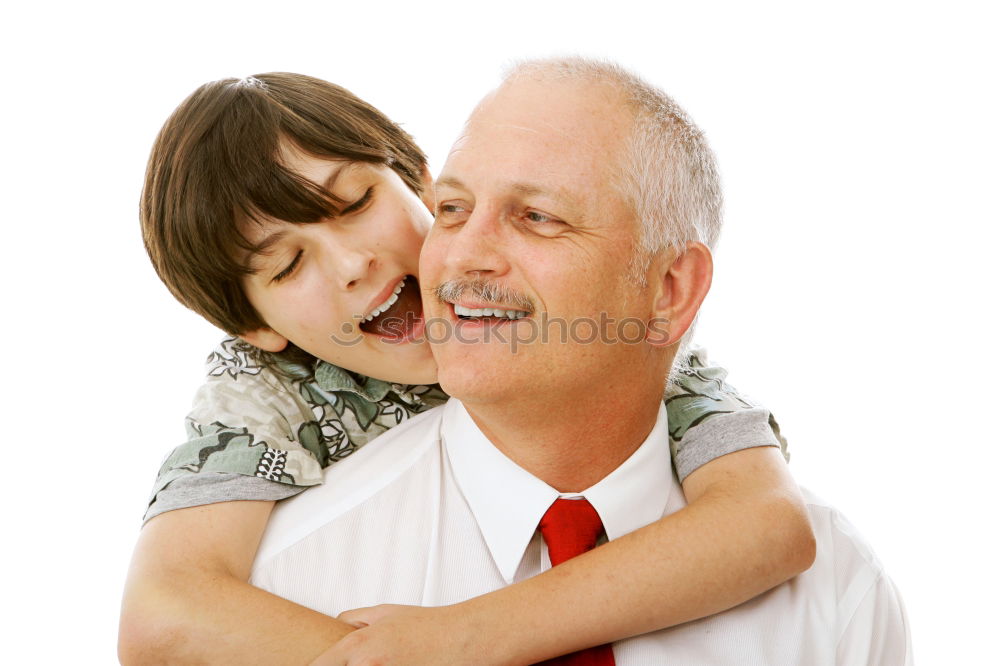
(318, 285)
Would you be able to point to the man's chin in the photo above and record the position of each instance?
(476, 386)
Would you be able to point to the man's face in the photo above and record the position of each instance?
(527, 203)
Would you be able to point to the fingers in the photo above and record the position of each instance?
(362, 617)
(355, 617)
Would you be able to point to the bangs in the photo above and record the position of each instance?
(247, 184)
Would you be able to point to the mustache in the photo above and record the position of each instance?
(488, 292)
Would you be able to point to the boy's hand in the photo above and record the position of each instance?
(392, 634)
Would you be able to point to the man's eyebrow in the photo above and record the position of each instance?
(533, 191)
(450, 181)
(527, 189)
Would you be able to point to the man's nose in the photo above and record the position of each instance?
(477, 248)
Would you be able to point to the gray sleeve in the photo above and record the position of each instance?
(212, 487)
(726, 433)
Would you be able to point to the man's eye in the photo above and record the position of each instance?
(540, 218)
(360, 203)
(450, 208)
(288, 269)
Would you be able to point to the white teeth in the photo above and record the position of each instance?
(393, 297)
(388, 304)
(489, 312)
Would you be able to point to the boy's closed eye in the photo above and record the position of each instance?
(355, 207)
(360, 203)
(287, 270)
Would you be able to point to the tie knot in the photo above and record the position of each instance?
(570, 527)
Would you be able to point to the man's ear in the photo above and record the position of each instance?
(427, 194)
(683, 281)
(266, 339)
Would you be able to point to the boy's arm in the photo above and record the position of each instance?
(744, 531)
(187, 600)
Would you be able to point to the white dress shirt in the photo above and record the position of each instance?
(431, 513)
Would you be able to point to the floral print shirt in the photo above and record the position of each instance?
(260, 425)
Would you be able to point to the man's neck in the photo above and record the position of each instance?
(574, 441)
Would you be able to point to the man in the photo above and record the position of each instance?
(545, 207)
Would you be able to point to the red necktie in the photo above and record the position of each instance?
(571, 527)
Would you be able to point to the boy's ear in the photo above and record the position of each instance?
(683, 281)
(427, 196)
(266, 339)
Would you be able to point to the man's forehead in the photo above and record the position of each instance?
(566, 126)
(562, 109)
(529, 161)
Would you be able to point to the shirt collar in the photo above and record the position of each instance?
(508, 502)
(332, 378)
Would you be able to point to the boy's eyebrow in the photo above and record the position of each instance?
(271, 239)
(274, 238)
(261, 248)
(335, 174)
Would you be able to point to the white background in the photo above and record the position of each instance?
(856, 280)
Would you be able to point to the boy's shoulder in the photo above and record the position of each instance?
(233, 357)
(236, 360)
(242, 389)
(316, 381)
(326, 409)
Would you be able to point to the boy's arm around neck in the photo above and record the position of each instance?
(745, 530)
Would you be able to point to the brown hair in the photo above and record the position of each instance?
(214, 166)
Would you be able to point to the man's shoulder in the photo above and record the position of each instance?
(845, 560)
(357, 479)
(834, 527)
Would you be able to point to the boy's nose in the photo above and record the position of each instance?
(353, 266)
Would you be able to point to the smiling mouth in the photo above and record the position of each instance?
(488, 314)
(399, 315)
